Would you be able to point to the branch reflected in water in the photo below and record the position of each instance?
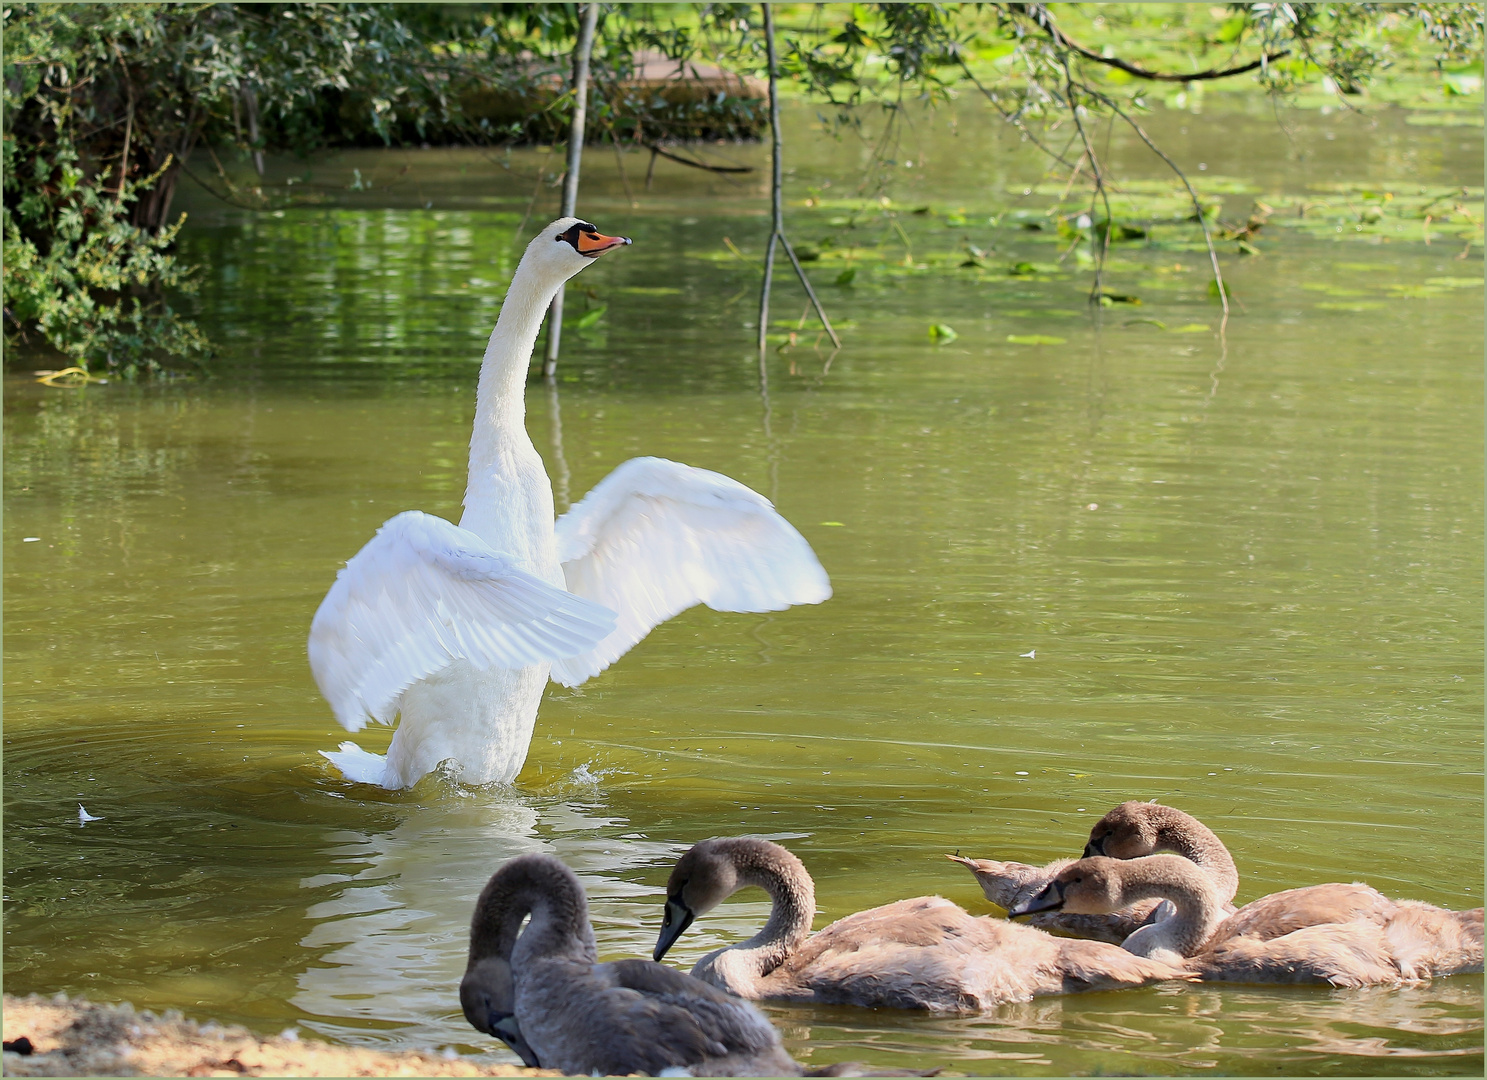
(559, 460)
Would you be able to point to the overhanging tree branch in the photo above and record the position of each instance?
(1012, 118)
(1094, 166)
(654, 149)
(1213, 257)
(1041, 16)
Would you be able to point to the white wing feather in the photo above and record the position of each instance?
(422, 593)
(656, 537)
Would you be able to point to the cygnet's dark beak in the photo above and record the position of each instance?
(1093, 848)
(1050, 899)
(673, 924)
(503, 1026)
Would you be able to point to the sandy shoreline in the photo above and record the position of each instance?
(73, 1037)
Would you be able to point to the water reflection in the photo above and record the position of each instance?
(391, 942)
(1168, 1029)
(1244, 564)
(560, 474)
(392, 916)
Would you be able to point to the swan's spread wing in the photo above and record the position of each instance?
(655, 537)
(423, 592)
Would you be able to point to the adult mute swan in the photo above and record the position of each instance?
(455, 629)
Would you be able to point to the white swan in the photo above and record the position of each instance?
(455, 629)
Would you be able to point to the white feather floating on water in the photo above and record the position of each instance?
(83, 817)
(1031, 654)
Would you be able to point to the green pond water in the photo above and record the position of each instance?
(1246, 571)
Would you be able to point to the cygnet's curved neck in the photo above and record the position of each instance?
(1185, 835)
(793, 893)
(1191, 890)
(555, 900)
(500, 400)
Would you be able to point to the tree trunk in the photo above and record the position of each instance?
(581, 53)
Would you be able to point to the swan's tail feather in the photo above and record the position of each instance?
(356, 764)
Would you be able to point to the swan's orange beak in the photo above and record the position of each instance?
(594, 244)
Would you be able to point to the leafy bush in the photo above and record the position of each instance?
(78, 271)
(104, 105)
(106, 102)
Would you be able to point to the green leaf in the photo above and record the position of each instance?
(1462, 84)
(847, 276)
(1191, 328)
(942, 333)
(1231, 29)
(589, 318)
(1035, 339)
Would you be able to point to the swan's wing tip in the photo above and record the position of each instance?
(357, 765)
(576, 670)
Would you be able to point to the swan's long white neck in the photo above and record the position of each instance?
(508, 498)
(500, 400)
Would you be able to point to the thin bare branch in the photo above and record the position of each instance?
(227, 198)
(619, 161)
(1097, 291)
(1041, 16)
(810, 292)
(764, 294)
(654, 149)
(1012, 118)
(1213, 256)
(128, 127)
(777, 205)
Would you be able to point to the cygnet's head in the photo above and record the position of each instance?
(567, 246)
(701, 880)
(1087, 887)
(1128, 832)
(488, 998)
